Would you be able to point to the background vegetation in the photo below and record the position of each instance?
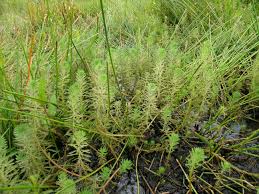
(166, 89)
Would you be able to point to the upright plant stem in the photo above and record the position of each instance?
(108, 46)
(70, 42)
(57, 67)
(29, 63)
(108, 88)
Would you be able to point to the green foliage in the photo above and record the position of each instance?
(87, 191)
(132, 141)
(29, 155)
(225, 166)
(102, 154)
(195, 159)
(166, 116)
(255, 76)
(106, 172)
(161, 170)
(125, 166)
(235, 96)
(180, 65)
(150, 108)
(76, 97)
(8, 171)
(42, 90)
(80, 151)
(66, 185)
(52, 108)
(173, 140)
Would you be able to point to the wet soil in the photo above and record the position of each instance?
(173, 180)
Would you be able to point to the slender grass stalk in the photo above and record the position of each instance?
(108, 46)
(56, 68)
(71, 41)
(88, 70)
(108, 88)
(16, 95)
(25, 187)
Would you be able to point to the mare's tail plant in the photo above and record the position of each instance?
(194, 161)
(29, 158)
(77, 98)
(173, 141)
(125, 166)
(66, 185)
(8, 170)
(225, 168)
(80, 152)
